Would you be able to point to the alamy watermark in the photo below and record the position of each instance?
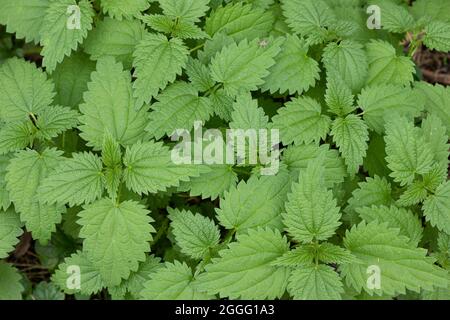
(74, 19)
(374, 20)
(73, 281)
(233, 147)
(373, 277)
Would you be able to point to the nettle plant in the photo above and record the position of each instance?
(359, 208)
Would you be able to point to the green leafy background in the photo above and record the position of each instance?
(86, 177)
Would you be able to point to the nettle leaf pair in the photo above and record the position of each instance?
(359, 208)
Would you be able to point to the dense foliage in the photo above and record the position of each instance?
(91, 92)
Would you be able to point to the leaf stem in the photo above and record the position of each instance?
(197, 47)
(213, 89)
(229, 236)
(161, 231)
(316, 256)
(201, 266)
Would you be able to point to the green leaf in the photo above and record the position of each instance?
(297, 157)
(211, 184)
(435, 134)
(247, 115)
(239, 21)
(213, 46)
(10, 230)
(149, 168)
(408, 223)
(58, 39)
(280, 26)
(315, 283)
(437, 98)
(312, 21)
(15, 136)
(222, 103)
(407, 152)
(300, 256)
(436, 294)
(26, 172)
(385, 67)
(311, 211)
(418, 191)
(90, 281)
(347, 59)
(199, 75)
(157, 62)
(160, 23)
(174, 27)
(195, 234)
(24, 89)
(135, 283)
(5, 201)
(115, 38)
(111, 153)
(54, 120)
(437, 208)
(374, 191)
(186, 30)
(173, 282)
(330, 253)
(301, 121)
(380, 102)
(75, 181)
(437, 36)
(10, 286)
(107, 125)
(351, 135)
(431, 10)
(305, 255)
(187, 10)
(25, 18)
(339, 97)
(112, 180)
(294, 71)
(112, 159)
(71, 78)
(116, 237)
(415, 193)
(255, 203)
(69, 223)
(242, 67)
(127, 9)
(47, 291)
(396, 18)
(263, 4)
(443, 244)
(244, 269)
(110, 107)
(375, 161)
(178, 107)
(402, 265)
